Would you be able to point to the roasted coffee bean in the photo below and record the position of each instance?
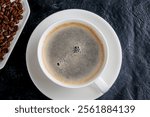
(7, 13)
(19, 17)
(5, 18)
(7, 8)
(16, 21)
(6, 27)
(20, 11)
(20, 6)
(1, 56)
(13, 33)
(13, 3)
(3, 44)
(15, 28)
(3, 9)
(1, 37)
(11, 29)
(14, 12)
(1, 13)
(10, 38)
(10, 15)
(5, 33)
(11, 24)
(5, 50)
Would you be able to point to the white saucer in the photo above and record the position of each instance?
(53, 91)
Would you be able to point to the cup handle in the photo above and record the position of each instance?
(101, 84)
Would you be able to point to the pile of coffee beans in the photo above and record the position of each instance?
(10, 14)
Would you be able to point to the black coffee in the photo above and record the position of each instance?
(73, 53)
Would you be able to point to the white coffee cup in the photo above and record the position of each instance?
(98, 80)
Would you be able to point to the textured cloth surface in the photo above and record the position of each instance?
(131, 21)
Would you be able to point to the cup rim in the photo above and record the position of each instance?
(40, 45)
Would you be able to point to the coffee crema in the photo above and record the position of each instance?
(73, 53)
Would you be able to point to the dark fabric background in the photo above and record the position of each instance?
(131, 21)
